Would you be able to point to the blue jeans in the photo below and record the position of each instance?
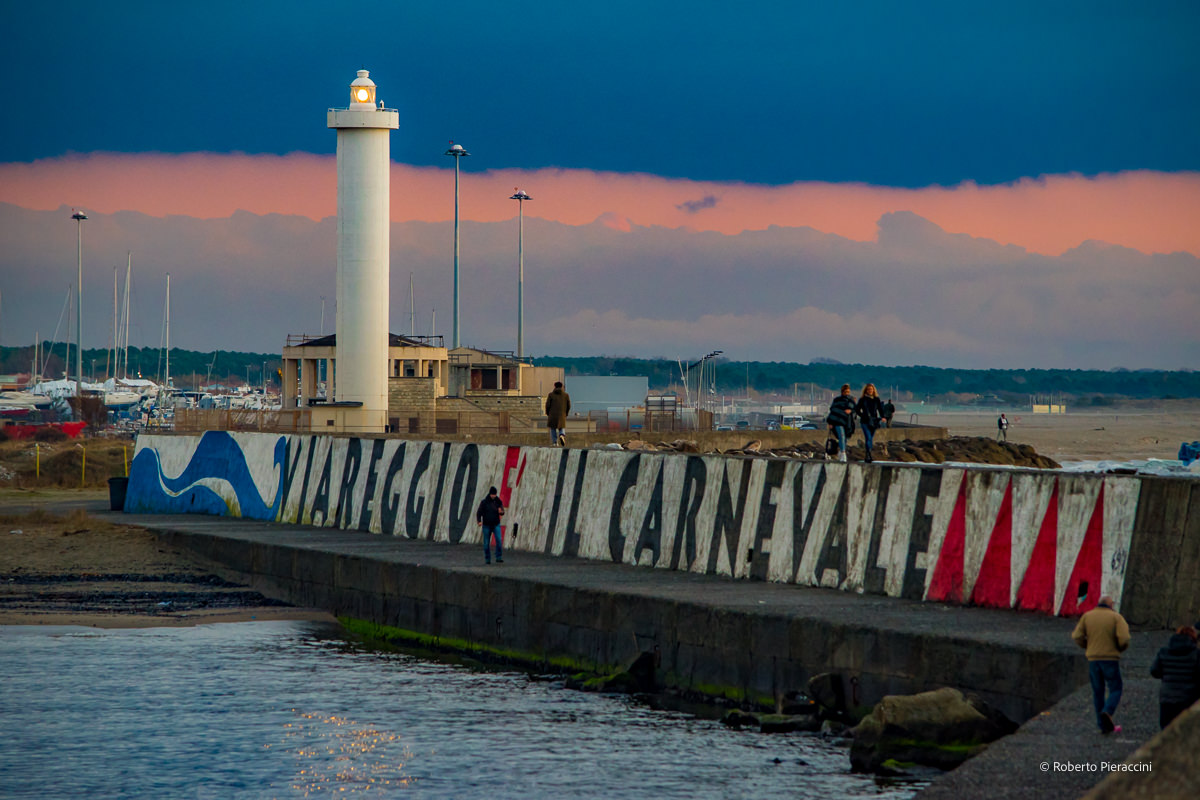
(555, 433)
(1101, 673)
(869, 436)
(488, 532)
(841, 437)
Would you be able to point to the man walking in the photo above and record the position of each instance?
(1104, 635)
(558, 405)
(1002, 428)
(491, 509)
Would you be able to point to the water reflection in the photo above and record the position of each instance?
(291, 709)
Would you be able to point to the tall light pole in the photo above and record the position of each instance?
(458, 152)
(79, 217)
(521, 196)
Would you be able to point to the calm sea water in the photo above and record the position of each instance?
(291, 709)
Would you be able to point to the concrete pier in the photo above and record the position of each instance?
(746, 639)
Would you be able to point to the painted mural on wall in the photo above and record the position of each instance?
(1042, 541)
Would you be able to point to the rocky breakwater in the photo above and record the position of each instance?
(958, 449)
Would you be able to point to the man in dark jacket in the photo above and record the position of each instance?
(488, 515)
(1178, 667)
(558, 406)
(841, 418)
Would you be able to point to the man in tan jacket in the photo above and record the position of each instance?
(1104, 634)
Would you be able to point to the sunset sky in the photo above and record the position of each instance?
(933, 183)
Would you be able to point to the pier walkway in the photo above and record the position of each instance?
(991, 652)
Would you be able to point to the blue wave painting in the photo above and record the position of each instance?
(217, 458)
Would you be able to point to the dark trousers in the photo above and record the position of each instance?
(1101, 673)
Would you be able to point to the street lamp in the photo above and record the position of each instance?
(520, 196)
(79, 217)
(458, 152)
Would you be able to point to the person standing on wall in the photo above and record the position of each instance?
(558, 406)
(1178, 667)
(1104, 635)
(841, 419)
(1002, 429)
(491, 509)
(869, 410)
(889, 411)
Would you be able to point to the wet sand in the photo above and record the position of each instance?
(1083, 436)
(71, 569)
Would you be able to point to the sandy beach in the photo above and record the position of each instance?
(72, 569)
(1117, 435)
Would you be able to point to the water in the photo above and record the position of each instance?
(291, 709)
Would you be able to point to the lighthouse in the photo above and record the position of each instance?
(363, 211)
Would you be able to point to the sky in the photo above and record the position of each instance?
(926, 183)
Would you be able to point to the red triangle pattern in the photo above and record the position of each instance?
(511, 459)
(1037, 587)
(994, 583)
(947, 583)
(1089, 565)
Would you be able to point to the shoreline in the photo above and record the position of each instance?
(133, 620)
(70, 568)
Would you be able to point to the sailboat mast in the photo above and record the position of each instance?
(111, 355)
(168, 381)
(125, 311)
(412, 308)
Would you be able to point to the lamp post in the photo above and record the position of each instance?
(521, 196)
(458, 152)
(79, 217)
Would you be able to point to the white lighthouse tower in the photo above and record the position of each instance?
(363, 211)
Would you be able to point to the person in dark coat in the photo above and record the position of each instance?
(558, 406)
(1178, 667)
(869, 410)
(841, 418)
(889, 411)
(491, 509)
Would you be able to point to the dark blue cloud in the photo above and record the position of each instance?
(692, 206)
(885, 93)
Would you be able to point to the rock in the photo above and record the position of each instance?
(795, 703)
(638, 444)
(736, 718)
(833, 728)
(828, 690)
(938, 729)
(784, 723)
(752, 447)
(638, 678)
(685, 446)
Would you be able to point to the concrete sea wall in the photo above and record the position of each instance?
(1042, 541)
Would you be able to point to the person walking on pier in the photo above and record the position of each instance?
(869, 410)
(1002, 429)
(841, 419)
(889, 411)
(1178, 667)
(558, 405)
(491, 509)
(1104, 635)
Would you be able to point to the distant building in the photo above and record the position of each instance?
(606, 393)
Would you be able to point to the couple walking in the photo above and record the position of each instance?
(869, 410)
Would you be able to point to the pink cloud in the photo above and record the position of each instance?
(1154, 212)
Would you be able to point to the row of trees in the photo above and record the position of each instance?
(914, 382)
(193, 368)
